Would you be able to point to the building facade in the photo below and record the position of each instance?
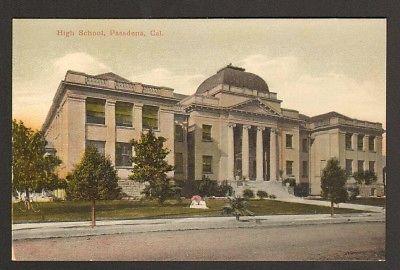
(232, 128)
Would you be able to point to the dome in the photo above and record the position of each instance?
(234, 76)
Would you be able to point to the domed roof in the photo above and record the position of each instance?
(234, 76)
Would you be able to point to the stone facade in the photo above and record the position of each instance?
(233, 128)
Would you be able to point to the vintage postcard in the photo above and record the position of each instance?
(199, 139)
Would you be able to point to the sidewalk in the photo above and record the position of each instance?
(76, 229)
(370, 208)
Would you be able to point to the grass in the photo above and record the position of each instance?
(114, 210)
(365, 201)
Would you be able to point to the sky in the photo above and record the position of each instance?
(314, 65)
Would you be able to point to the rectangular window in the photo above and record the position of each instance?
(289, 167)
(95, 111)
(178, 133)
(349, 166)
(304, 145)
(206, 136)
(322, 166)
(123, 114)
(123, 154)
(150, 117)
(207, 164)
(178, 163)
(305, 169)
(289, 139)
(99, 145)
(348, 141)
(360, 142)
(371, 143)
(360, 165)
(371, 166)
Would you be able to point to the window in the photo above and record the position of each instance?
(322, 166)
(360, 142)
(305, 169)
(99, 145)
(178, 133)
(371, 166)
(206, 132)
(289, 139)
(123, 154)
(207, 164)
(371, 143)
(95, 111)
(349, 166)
(150, 117)
(304, 145)
(360, 165)
(123, 114)
(178, 163)
(289, 167)
(348, 141)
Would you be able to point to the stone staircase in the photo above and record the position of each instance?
(271, 187)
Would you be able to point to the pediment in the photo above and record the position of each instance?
(255, 106)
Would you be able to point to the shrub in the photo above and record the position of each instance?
(353, 192)
(272, 196)
(224, 189)
(248, 194)
(291, 181)
(207, 187)
(262, 194)
(237, 207)
(301, 190)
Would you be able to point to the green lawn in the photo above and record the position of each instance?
(108, 210)
(365, 201)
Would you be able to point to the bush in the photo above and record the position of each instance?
(353, 192)
(248, 194)
(291, 181)
(207, 187)
(301, 190)
(262, 194)
(272, 196)
(224, 189)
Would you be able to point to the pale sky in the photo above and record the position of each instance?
(315, 66)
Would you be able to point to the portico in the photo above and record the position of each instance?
(246, 162)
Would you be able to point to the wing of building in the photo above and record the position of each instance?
(232, 128)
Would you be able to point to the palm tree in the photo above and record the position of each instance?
(237, 206)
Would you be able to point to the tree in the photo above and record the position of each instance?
(365, 177)
(237, 206)
(33, 169)
(150, 167)
(333, 182)
(93, 178)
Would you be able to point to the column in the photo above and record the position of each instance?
(111, 134)
(245, 151)
(231, 152)
(259, 154)
(273, 155)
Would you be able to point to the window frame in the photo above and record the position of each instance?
(291, 167)
(150, 117)
(348, 144)
(90, 118)
(360, 142)
(206, 136)
(181, 137)
(291, 141)
(358, 165)
(304, 172)
(205, 157)
(126, 105)
(373, 165)
(371, 138)
(94, 143)
(117, 144)
(178, 170)
(304, 149)
(351, 166)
